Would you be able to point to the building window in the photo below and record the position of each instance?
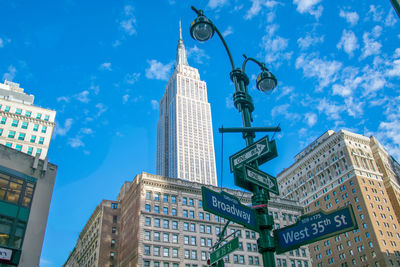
(174, 225)
(157, 222)
(21, 136)
(41, 140)
(165, 199)
(173, 211)
(8, 144)
(156, 251)
(44, 129)
(38, 151)
(30, 150)
(156, 209)
(174, 238)
(165, 210)
(157, 196)
(18, 111)
(147, 221)
(114, 230)
(166, 224)
(112, 243)
(11, 134)
(148, 195)
(28, 113)
(146, 250)
(36, 127)
(24, 125)
(200, 204)
(173, 199)
(18, 147)
(156, 236)
(38, 116)
(1, 131)
(191, 202)
(114, 206)
(184, 201)
(33, 139)
(115, 217)
(14, 123)
(166, 237)
(7, 109)
(3, 120)
(46, 117)
(166, 252)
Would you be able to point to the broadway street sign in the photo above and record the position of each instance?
(260, 178)
(224, 250)
(314, 227)
(229, 207)
(263, 150)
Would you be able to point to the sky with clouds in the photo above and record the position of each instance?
(103, 66)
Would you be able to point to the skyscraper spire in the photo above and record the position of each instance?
(181, 52)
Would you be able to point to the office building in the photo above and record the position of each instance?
(26, 187)
(185, 144)
(343, 168)
(162, 224)
(23, 126)
(97, 243)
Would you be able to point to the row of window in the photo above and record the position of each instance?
(24, 125)
(27, 113)
(29, 151)
(171, 198)
(21, 137)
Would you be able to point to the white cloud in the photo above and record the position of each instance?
(228, 31)
(125, 98)
(94, 88)
(275, 46)
(395, 69)
(284, 90)
(128, 23)
(282, 110)
(309, 6)
(354, 108)
(389, 134)
(376, 12)
(10, 75)
(86, 131)
(1, 43)
(331, 110)
(100, 109)
(83, 96)
(216, 3)
(157, 70)
(254, 10)
(63, 130)
(131, 78)
(351, 81)
(373, 81)
(197, 54)
(350, 17)
(105, 66)
(154, 104)
(4, 41)
(324, 70)
(311, 119)
(63, 99)
(229, 102)
(76, 142)
(348, 42)
(390, 19)
(308, 41)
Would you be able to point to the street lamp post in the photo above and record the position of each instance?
(202, 29)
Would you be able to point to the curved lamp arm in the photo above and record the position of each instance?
(261, 65)
(200, 13)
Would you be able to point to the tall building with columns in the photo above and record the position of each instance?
(185, 143)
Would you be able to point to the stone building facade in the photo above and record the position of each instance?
(345, 168)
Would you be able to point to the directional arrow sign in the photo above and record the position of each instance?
(262, 151)
(260, 178)
(224, 250)
(229, 207)
(314, 227)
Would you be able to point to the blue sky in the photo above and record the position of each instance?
(103, 66)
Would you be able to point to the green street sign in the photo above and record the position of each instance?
(224, 250)
(314, 227)
(263, 150)
(229, 207)
(260, 178)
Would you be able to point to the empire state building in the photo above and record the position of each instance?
(185, 143)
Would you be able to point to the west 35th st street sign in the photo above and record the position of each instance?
(314, 227)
